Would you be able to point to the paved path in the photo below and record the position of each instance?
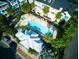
(25, 56)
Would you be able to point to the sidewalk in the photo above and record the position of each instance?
(23, 54)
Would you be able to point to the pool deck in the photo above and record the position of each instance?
(29, 17)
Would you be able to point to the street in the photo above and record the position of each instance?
(7, 53)
(71, 51)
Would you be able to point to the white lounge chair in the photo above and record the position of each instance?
(34, 35)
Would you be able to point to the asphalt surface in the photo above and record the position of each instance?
(72, 50)
(7, 53)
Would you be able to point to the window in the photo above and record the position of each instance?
(52, 12)
(3, 5)
(6, 14)
(2, 10)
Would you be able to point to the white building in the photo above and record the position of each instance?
(52, 12)
(13, 3)
(3, 7)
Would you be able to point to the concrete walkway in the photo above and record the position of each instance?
(23, 54)
(29, 17)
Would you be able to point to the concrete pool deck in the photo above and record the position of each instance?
(29, 17)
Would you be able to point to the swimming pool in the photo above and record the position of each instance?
(40, 28)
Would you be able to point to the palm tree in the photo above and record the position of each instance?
(45, 9)
(48, 37)
(4, 26)
(58, 16)
(31, 5)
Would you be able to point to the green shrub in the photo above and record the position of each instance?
(58, 15)
(10, 11)
(24, 27)
(32, 5)
(67, 35)
(32, 51)
(48, 37)
(25, 8)
(17, 40)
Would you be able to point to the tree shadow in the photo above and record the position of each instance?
(9, 53)
(8, 38)
(13, 46)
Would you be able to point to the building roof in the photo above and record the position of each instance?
(2, 3)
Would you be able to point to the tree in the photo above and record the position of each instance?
(24, 27)
(10, 11)
(4, 28)
(63, 41)
(58, 15)
(46, 9)
(25, 8)
(32, 51)
(47, 37)
(32, 5)
(67, 35)
(17, 19)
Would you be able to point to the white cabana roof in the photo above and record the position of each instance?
(62, 15)
(25, 44)
(20, 35)
(55, 34)
(36, 39)
(38, 46)
(34, 35)
(67, 14)
(28, 42)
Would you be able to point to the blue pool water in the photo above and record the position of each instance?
(40, 28)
